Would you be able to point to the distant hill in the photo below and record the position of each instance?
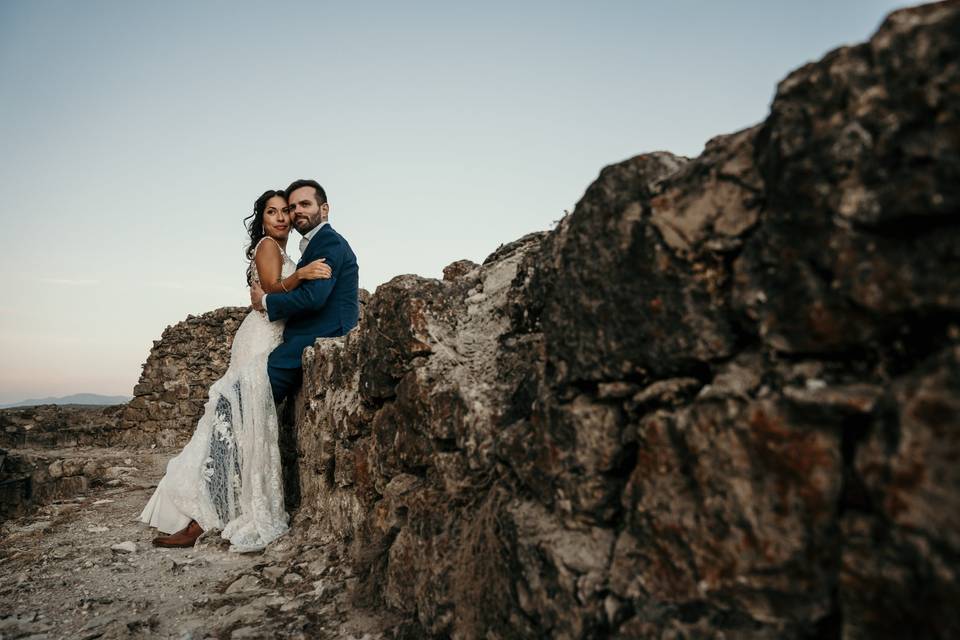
(77, 398)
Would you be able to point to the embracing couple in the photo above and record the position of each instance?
(228, 477)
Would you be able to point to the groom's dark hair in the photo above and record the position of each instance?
(319, 194)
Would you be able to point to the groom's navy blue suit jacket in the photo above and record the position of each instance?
(317, 308)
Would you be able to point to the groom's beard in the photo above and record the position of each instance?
(305, 230)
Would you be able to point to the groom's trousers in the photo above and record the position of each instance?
(285, 365)
(283, 381)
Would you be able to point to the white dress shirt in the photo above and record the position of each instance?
(304, 241)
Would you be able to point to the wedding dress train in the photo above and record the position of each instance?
(228, 476)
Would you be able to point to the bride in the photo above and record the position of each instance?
(228, 476)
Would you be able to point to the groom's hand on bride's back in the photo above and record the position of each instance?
(256, 296)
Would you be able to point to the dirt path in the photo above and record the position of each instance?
(63, 580)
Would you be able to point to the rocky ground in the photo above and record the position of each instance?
(84, 567)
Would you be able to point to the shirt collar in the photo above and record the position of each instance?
(305, 240)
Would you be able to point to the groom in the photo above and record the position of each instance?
(317, 308)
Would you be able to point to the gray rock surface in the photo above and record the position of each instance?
(127, 546)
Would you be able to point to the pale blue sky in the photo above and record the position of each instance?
(136, 136)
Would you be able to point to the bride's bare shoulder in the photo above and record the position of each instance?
(267, 248)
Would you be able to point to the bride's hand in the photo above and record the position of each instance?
(316, 270)
(256, 296)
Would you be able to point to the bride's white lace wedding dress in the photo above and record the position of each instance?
(228, 476)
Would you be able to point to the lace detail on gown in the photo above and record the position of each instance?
(228, 476)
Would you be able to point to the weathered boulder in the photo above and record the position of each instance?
(720, 399)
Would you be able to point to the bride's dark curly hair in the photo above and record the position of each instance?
(255, 225)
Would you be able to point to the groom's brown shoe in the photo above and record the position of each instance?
(183, 538)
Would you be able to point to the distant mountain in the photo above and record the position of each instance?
(77, 398)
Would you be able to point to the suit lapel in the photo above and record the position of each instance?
(306, 249)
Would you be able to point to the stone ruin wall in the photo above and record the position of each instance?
(182, 365)
(50, 451)
(173, 388)
(49, 425)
